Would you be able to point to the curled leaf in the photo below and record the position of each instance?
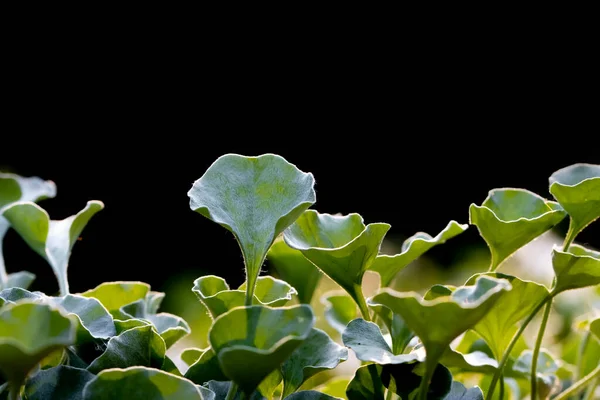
(114, 295)
(508, 219)
(94, 321)
(577, 268)
(255, 198)
(460, 392)
(191, 355)
(340, 309)
(206, 368)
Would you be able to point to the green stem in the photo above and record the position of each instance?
(14, 392)
(589, 395)
(581, 353)
(431, 362)
(536, 350)
(569, 238)
(232, 391)
(63, 287)
(579, 385)
(502, 387)
(512, 344)
(362, 304)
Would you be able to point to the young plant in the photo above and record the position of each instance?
(446, 343)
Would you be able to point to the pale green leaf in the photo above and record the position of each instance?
(114, 295)
(339, 310)
(140, 383)
(170, 327)
(413, 248)
(271, 292)
(317, 353)
(255, 198)
(250, 342)
(58, 383)
(577, 189)
(295, 269)
(22, 279)
(94, 321)
(460, 392)
(547, 381)
(335, 387)
(12, 295)
(508, 219)
(577, 268)
(53, 240)
(340, 246)
(595, 327)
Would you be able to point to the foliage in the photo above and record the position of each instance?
(450, 342)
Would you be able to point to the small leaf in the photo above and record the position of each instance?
(368, 343)
(255, 198)
(577, 189)
(547, 382)
(114, 295)
(53, 240)
(94, 321)
(340, 246)
(191, 355)
(140, 383)
(310, 395)
(460, 392)
(501, 322)
(137, 346)
(250, 342)
(340, 309)
(295, 269)
(577, 268)
(170, 327)
(271, 292)
(22, 279)
(508, 219)
(206, 368)
(413, 248)
(317, 353)
(58, 383)
(21, 344)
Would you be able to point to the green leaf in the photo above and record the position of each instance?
(58, 383)
(310, 395)
(21, 344)
(170, 367)
(251, 342)
(317, 353)
(368, 343)
(255, 198)
(137, 346)
(460, 392)
(340, 246)
(577, 189)
(577, 268)
(153, 301)
(268, 385)
(547, 381)
(220, 390)
(114, 295)
(413, 248)
(437, 322)
(206, 368)
(595, 327)
(22, 279)
(94, 321)
(476, 361)
(335, 387)
(214, 293)
(191, 355)
(397, 328)
(53, 240)
(12, 295)
(508, 219)
(366, 384)
(339, 310)
(170, 327)
(140, 383)
(501, 322)
(295, 269)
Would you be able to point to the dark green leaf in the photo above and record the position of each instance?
(295, 269)
(255, 198)
(577, 189)
(58, 383)
(340, 309)
(170, 367)
(251, 342)
(317, 353)
(310, 395)
(577, 268)
(341, 246)
(220, 390)
(205, 369)
(366, 384)
(140, 383)
(53, 240)
(508, 219)
(140, 346)
(94, 320)
(368, 343)
(413, 248)
(460, 392)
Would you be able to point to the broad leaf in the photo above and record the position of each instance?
(137, 346)
(437, 322)
(220, 390)
(206, 368)
(21, 344)
(310, 395)
(22, 279)
(577, 268)
(508, 219)
(501, 322)
(191, 355)
(413, 248)
(577, 189)
(397, 328)
(476, 361)
(271, 292)
(341, 246)
(53, 240)
(547, 381)
(295, 269)
(366, 384)
(15, 188)
(58, 383)
(94, 321)
(114, 295)
(368, 343)
(250, 342)
(140, 383)
(15, 294)
(339, 310)
(335, 387)
(317, 353)
(460, 392)
(255, 198)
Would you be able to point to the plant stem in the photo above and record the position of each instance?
(14, 391)
(362, 304)
(232, 391)
(589, 395)
(580, 354)
(501, 386)
(536, 350)
(63, 287)
(579, 385)
(512, 344)
(431, 362)
(569, 238)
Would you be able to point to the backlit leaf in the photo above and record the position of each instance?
(577, 268)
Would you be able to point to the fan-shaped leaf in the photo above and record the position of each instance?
(340, 309)
(206, 368)
(460, 392)
(114, 295)
(94, 321)
(577, 268)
